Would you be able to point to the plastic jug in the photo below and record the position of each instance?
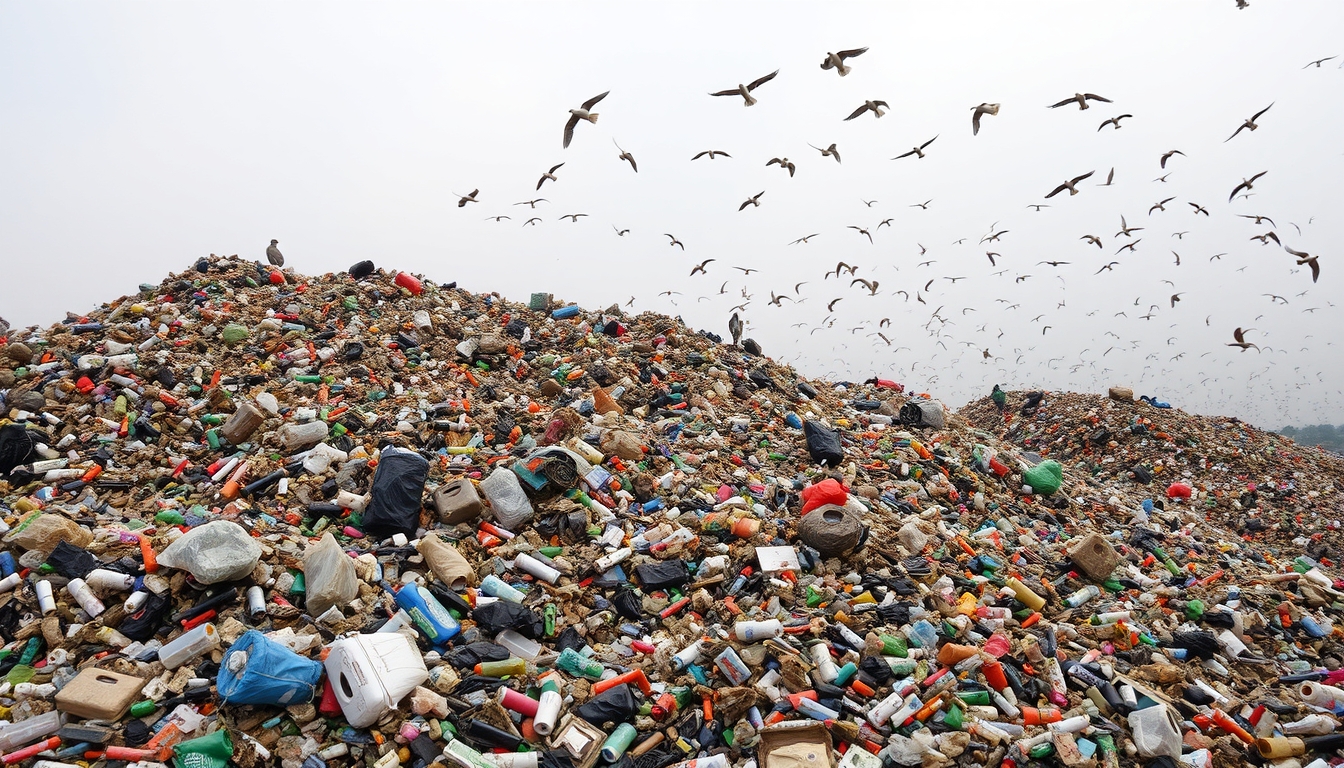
(457, 502)
(370, 673)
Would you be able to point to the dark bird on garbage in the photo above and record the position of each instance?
(745, 90)
(584, 113)
(627, 157)
(1081, 100)
(754, 200)
(1241, 341)
(1069, 185)
(1198, 209)
(1125, 229)
(746, 271)
(871, 285)
(831, 307)
(533, 203)
(462, 200)
(977, 111)
(918, 151)
(804, 239)
(830, 151)
(784, 164)
(711, 153)
(533, 221)
(675, 241)
(548, 175)
(873, 105)
(1107, 268)
(735, 327)
(496, 218)
(1245, 184)
(701, 267)
(1307, 259)
(620, 232)
(836, 60)
(862, 231)
(1175, 297)
(573, 217)
(273, 254)
(1162, 206)
(1130, 246)
(1113, 121)
(1317, 63)
(1109, 178)
(1167, 156)
(1259, 219)
(1249, 124)
(1092, 240)
(1265, 238)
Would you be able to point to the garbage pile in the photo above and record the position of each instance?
(1260, 484)
(255, 518)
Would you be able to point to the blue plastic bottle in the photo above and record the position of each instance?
(428, 614)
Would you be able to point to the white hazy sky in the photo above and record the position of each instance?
(135, 137)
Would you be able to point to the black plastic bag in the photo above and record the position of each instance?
(70, 561)
(664, 574)
(570, 638)
(468, 656)
(142, 624)
(17, 445)
(629, 604)
(501, 615)
(823, 444)
(398, 486)
(361, 269)
(876, 668)
(614, 705)
(555, 759)
(472, 683)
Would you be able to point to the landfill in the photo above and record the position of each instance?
(252, 517)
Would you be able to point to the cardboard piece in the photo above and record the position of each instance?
(796, 744)
(97, 694)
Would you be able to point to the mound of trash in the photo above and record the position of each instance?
(254, 517)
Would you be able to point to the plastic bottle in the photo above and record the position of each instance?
(1087, 593)
(189, 645)
(756, 631)
(577, 664)
(548, 708)
(429, 615)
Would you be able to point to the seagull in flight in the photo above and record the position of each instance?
(745, 90)
(675, 241)
(1069, 185)
(805, 239)
(1081, 100)
(1248, 124)
(583, 113)
(836, 60)
(919, 151)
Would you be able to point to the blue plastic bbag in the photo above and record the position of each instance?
(266, 672)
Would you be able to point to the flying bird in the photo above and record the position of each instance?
(1307, 259)
(711, 152)
(991, 255)
(1175, 297)
(533, 221)
(977, 111)
(1053, 263)
(620, 232)
(1130, 246)
(830, 151)
(993, 237)
(462, 200)
(754, 200)
(1125, 229)
(273, 254)
(1081, 100)
(1249, 124)
(924, 206)
(1265, 238)
(533, 203)
(869, 105)
(745, 90)
(1318, 62)
(496, 218)
(701, 268)
(831, 307)
(548, 175)
(1038, 207)
(804, 239)
(675, 241)
(1245, 184)
(871, 285)
(862, 231)
(1167, 156)
(1162, 178)
(1241, 341)
(1259, 219)
(627, 157)
(1092, 240)
(1109, 178)
(1198, 209)
(1107, 268)
(837, 60)
(584, 113)
(573, 217)
(919, 151)
(1069, 185)
(868, 203)
(1160, 206)
(783, 163)
(1113, 121)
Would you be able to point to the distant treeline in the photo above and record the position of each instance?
(1327, 436)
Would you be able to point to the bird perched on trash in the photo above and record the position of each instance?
(1249, 124)
(273, 254)
(735, 328)
(919, 151)
(1081, 100)
(870, 105)
(977, 111)
(1069, 185)
(830, 151)
(745, 90)
(583, 113)
(836, 60)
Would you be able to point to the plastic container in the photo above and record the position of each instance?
(370, 674)
(519, 646)
(1155, 732)
(242, 423)
(190, 645)
(457, 502)
(410, 283)
(432, 618)
(756, 631)
(296, 437)
(21, 734)
(508, 502)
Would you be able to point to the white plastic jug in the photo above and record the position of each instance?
(371, 673)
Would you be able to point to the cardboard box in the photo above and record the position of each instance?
(796, 744)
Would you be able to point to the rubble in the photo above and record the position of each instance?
(362, 518)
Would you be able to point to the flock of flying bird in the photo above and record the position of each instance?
(841, 63)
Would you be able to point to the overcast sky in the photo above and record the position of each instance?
(135, 138)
